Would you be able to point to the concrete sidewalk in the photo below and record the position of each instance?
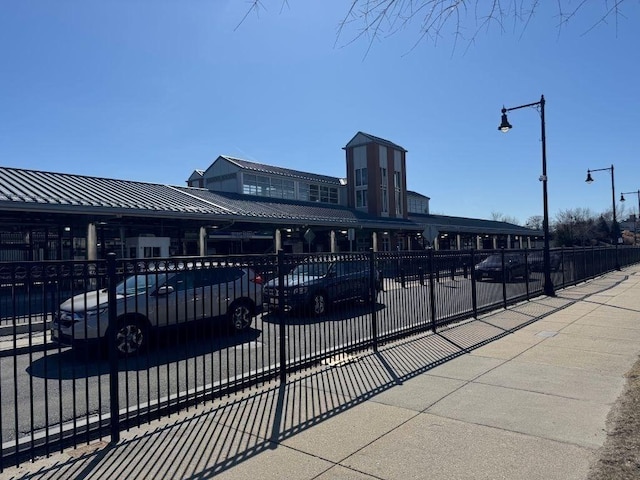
(530, 405)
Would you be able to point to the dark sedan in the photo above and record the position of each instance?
(313, 286)
(492, 267)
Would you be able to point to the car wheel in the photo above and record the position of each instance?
(131, 337)
(240, 315)
(318, 304)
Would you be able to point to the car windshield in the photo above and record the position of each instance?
(493, 260)
(137, 284)
(311, 269)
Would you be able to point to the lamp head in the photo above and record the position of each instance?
(505, 126)
(622, 199)
(589, 179)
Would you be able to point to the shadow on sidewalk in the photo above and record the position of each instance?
(208, 441)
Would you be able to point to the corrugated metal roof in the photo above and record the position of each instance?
(445, 223)
(36, 191)
(250, 206)
(48, 190)
(285, 172)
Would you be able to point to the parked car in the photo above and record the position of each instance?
(317, 285)
(491, 267)
(536, 261)
(156, 299)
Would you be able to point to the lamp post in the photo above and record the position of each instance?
(505, 126)
(635, 223)
(614, 233)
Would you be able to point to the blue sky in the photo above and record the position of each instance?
(150, 90)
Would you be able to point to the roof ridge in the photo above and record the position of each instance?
(78, 175)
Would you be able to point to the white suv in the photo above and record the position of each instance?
(160, 299)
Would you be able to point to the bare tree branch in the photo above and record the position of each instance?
(375, 20)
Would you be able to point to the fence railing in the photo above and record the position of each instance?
(88, 349)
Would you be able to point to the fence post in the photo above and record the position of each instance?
(527, 270)
(114, 384)
(474, 293)
(561, 265)
(504, 280)
(432, 294)
(373, 287)
(281, 326)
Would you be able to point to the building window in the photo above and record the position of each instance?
(303, 192)
(268, 187)
(397, 185)
(417, 205)
(384, 195)
(314, 193)
(249, 186)
(361, 177)
(310, 192)
(361, 198)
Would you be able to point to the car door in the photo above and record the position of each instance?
(339, 281)
(217, 291)
(358, 278)
(176, 299)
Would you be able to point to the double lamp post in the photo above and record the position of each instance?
(635, 223)
(614, 226)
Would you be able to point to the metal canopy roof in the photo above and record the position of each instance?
(36, 191)
(47, 192)
(444, 223)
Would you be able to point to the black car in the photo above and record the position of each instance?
(492, 268)
(313, 286)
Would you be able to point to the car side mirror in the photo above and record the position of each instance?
(165, 290)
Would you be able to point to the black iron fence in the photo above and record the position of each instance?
(90, 348)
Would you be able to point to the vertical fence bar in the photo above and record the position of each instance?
(373, 288)
(584, 263)
(504, 279)
(282, 329)
(432, 293)
(527, 269)
(114, 387)
(561, 266)
(474, 293)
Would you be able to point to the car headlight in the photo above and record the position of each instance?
(299, 290)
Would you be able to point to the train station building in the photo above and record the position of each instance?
(236, 206)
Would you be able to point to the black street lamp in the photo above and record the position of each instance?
(635, 223)
(614, 226)
(505, 126)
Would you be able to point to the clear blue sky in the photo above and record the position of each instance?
(151, 90)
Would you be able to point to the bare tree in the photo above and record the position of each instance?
(577, 226)
(534, 222)
(501, 217)
(375, 20)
